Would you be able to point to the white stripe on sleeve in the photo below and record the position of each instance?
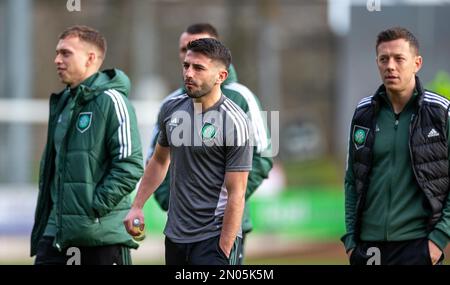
(235, 124)
(124, 123)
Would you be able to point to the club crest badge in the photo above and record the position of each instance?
(208, 131)
(360, 136)
(84, 121)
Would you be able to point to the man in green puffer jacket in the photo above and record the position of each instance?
(92, 160)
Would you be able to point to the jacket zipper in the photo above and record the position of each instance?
(58, 214)
(394, 157)
(52, 126)
(58, 237)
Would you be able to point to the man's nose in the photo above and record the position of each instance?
(188, 72)
(391, 64)
(57, 59)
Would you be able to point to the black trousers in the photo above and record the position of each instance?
(205, 252)
(96, 255)
(411, 252)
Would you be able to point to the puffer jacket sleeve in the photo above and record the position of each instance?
(124, 148)
(350, 200)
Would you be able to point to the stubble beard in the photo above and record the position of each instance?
(204, 89)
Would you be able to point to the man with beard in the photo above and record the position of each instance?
(249, 103)
(205, 138)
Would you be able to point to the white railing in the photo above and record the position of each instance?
(35, 111)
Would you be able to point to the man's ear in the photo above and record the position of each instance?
(92, 58)
(223, 75)
(418, 63)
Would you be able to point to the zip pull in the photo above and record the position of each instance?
(397, 116)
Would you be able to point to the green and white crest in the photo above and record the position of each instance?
(208, 131)
(360, 136)
(84, 121)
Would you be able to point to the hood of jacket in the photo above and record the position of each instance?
(102, 81)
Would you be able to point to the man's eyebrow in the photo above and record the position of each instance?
(198, 65)
(392, 53)
(63, 50)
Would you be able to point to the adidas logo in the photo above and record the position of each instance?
(173, 122)
(433, 133)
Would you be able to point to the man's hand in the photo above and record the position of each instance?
(236, 183)
(435, 252)
(226, 247)
(349, 253)
(134, 213)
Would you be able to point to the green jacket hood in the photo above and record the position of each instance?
(105, 80)
(112, 79)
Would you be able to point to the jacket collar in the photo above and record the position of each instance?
(83, 92)
(382, 89)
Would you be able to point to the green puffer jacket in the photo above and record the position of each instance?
(100, 163)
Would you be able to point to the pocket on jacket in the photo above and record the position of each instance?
(78, 198)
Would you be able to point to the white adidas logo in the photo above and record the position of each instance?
(433, 133)
(173, 122)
